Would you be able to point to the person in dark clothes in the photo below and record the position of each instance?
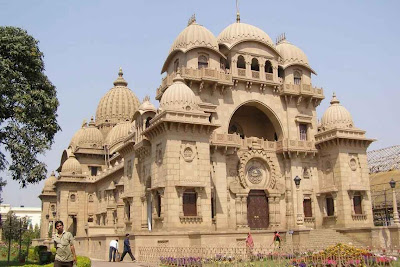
(127, 249)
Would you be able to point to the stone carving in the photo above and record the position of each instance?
(188, 151)
(353, 164)
(158, 154)
(257, 168)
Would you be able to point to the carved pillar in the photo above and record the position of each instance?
(199, 191)
(241, 210)
(262, 69)
(109, 218)
(143, 221)
(274, 211)
(220, 182)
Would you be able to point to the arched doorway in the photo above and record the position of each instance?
(257, 210)
(254, 119)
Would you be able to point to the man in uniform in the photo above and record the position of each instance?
(127, 249)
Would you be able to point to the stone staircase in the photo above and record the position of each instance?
(329, 237)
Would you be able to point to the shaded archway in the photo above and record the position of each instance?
(255, 119)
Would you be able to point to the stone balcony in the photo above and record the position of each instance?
(225, 141)
(203, 76)
(304, 90)
(259, 78)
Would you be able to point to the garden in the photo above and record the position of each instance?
(338, 255)
(34, 257)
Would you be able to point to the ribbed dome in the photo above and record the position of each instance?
(178, 96)
(118, 133)
(336, 116)
(77, 136)
(87, 136)
(147, 106)
(118, 104)
(291, 53)
(71, 165)
(49, 183)
(194, 35)
(239, 32)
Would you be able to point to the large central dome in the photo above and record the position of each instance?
(118, 104)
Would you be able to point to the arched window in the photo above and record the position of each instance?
(268, 66)
(202, 62)
(222, 64)
(176, 65)
(297, 77)
(281, 73)
(158, 204)
(147, 124)
(241, 64)
(254, 65)
(189, 202)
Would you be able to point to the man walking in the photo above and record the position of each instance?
(127, 249)
(113, 249)
(64, 243)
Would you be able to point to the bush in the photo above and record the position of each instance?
(82, 262)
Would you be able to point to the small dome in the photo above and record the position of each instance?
(71, 165)
(87, 136)
(178, 96)
(336, 116)
(49, 183)
(118, 133)
(194, 35)
(240, 32)
(291, 53)
(147, 106)
(118, 104)
(91, 136)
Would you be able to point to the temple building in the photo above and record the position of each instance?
(235, 145)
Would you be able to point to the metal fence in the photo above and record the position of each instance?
(265, 256)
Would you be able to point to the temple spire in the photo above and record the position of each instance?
(237, 12)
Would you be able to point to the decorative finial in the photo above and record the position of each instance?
(334, 99)
(84, 124)
(146, 98)
(178, 77)
(120, 81)
(52, 173)
(192, 20)
(281, 38)
(91, 123)
(237, 12)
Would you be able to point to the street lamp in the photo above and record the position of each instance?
(396, 220)
(54, 213)
(300, 217)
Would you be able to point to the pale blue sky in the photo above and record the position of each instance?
(352, 45)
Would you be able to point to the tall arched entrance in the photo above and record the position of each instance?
(255, 119)
(257, 210)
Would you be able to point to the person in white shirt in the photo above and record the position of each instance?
(113, 249)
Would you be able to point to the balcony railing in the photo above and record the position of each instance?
(242, 72)
(301, 89)
(269, 76)
(234, 140)
(205, 74)
(255, 74)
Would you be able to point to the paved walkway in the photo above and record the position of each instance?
(103, 263)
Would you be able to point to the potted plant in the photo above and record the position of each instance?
(22, 257)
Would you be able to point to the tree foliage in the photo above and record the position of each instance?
(12, 224)
(28, 106)
(2, 184)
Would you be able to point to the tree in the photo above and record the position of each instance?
(2, 184)
(28, 106)
(12, 229)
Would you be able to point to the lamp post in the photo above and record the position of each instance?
(396, 220)
(300, 217)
